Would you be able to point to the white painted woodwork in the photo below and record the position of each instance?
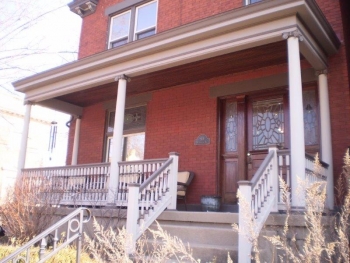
(71, 185)
(173, 180)
(244, 244)
(150, 196)
(297, 141)
(263, 194)
(117, 137)
(76, 142)
(132, 217)
(134, 172)
(326, 135)
(261, 197)
(24, 140)
(313, 175)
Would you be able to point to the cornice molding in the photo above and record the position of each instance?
(83, 7)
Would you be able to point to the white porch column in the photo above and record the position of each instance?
(24, 140)
(76, 141)
(117, 137)
(297, 140)
(326, 136)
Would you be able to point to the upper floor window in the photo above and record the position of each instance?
(137, 23)
(252, 1)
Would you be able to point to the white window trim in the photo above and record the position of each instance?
(111, 29)
(135, 33)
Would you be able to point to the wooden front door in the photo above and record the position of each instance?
(249, 125)
(232, 147)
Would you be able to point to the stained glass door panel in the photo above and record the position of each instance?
(268, 123)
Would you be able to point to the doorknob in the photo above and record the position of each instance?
(249, 158)
(249, 161)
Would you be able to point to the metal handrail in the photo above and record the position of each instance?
(80, 211)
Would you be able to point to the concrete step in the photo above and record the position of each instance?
(209, 234)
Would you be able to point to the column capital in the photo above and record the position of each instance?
(295, 33)
(125, 77)
(28, 102)
(320, 72)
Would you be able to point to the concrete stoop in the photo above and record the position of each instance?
(209, 234)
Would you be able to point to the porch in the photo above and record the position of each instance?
(236, 80)
(147, 192)
(89, 185)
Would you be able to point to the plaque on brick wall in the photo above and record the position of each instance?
(202, 140)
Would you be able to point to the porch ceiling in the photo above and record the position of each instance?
(238, 40)
(266, 55)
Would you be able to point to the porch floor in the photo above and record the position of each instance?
(198, 208)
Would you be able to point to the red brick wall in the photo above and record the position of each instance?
(190, 104)
(177, 116)
(338, 81)
(172, 13)
(91, 135)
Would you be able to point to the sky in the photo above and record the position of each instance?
(35, 36)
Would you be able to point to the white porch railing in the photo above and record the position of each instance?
(72, 185)
(315, 173)
(150, 198)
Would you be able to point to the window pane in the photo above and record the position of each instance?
(135, 147)
(111, 117)
(146, 34)
(268, 123)
(120, 42)
(146, 16)
(231, 127)
(120, 26)
(310, 117)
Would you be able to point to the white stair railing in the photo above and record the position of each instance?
(132, 172)
(283, 173)
(148, 200)
(261, 195)
(74, 229)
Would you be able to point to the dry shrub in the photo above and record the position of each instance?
(342, 186)
(67, 254)
(28, 209)
(110, 246)
(316, 248)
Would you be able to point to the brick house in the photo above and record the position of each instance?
(222, 83)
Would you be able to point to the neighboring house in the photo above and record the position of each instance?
(218, 82)
(39, 155)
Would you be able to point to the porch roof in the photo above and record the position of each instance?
(217, 38)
